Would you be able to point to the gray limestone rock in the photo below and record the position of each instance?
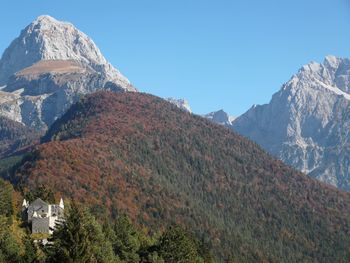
(307, 122)
(49, 67)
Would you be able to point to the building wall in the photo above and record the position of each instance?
(52, 223)
(40, 225)
(56, 210)
(41, 210)
(46, 216)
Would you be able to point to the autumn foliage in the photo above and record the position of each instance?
(137, 154)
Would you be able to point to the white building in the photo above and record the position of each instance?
(42, 216)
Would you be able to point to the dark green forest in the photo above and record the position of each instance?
(15, 136)
(80, 237)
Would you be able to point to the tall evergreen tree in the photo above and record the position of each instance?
(79, 239)
(6, 206)
(177, 246)
(29, 250)
(127, 242)
(9, 247)
(101, 246)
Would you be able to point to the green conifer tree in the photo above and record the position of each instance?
(177, 245)
(79, 239)
(9, 247)
(6, 190)
(29, 250)
(127, 242)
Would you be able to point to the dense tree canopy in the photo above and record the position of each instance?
(6, 203)
(80, 238)
(139, 155)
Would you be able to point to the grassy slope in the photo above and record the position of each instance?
(141, 155)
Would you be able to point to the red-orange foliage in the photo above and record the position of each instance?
(138, 154)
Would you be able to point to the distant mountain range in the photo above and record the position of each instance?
(52, 64)
(307, 122)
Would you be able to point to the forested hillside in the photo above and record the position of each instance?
(15, 136)
(139, 155)
(82, 238)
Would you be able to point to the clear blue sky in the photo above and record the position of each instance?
(226, 54)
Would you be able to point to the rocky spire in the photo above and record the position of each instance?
(61, 203)
(25, 204)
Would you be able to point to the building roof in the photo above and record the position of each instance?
(38, 202)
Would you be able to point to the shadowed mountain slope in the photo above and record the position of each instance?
(15, 136)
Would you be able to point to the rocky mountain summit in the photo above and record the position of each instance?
(220, 117)
(307, 122)
(180, 103)
(47, 68)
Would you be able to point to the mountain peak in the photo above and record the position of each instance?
(306, 122)
(331, 59)
(330, 63)
(49, 66)
(332, 75)
(45, 22)
(180, 103)
(220, 117)
(312, 66)
(49, 39)
(45, 19)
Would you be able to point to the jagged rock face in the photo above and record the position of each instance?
(47, 68)
(180, 103)
(307, 122)
(49, 39)
(41, 99)
(220, 117)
